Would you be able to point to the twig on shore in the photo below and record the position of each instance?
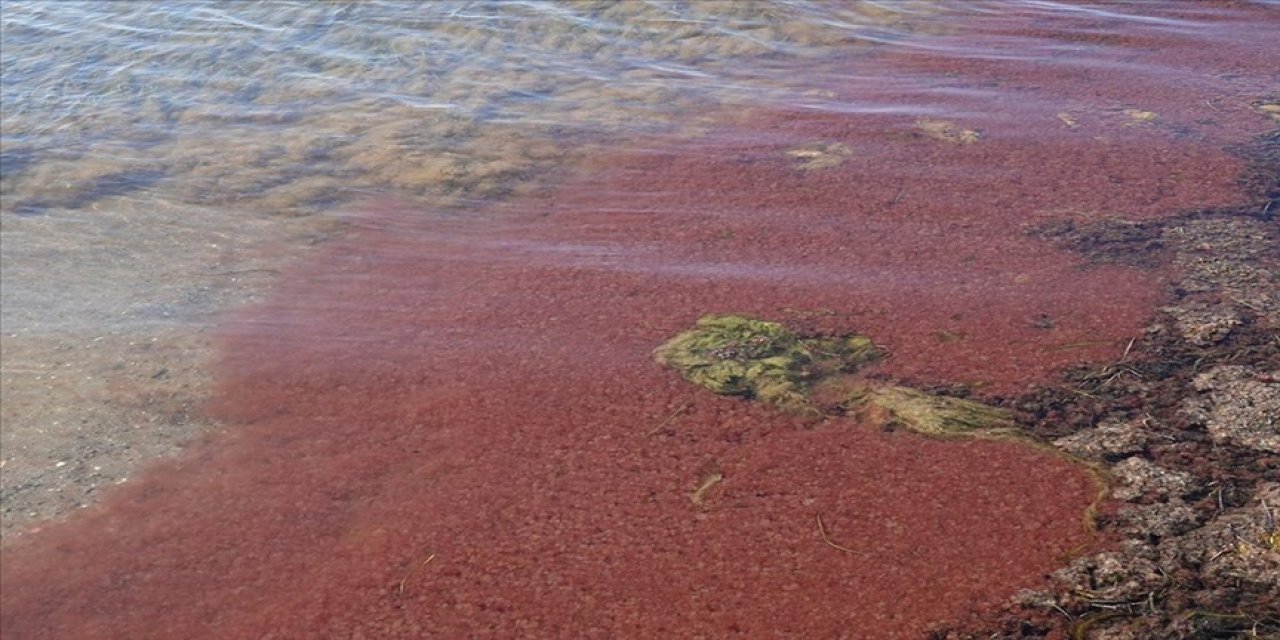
(700, 492)
(666, 421)
(405, 579)
(897, 197)
(822, 531)
(1077, 391)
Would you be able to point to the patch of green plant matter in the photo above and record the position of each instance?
(738, 355)
(743, 356)
(932, 415)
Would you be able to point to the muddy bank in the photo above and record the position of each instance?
(1186, 424)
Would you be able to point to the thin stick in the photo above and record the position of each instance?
(1247, 304)
(710, 481)
(822, 531)
(1077, 391)
(405, 579)
(668, 419)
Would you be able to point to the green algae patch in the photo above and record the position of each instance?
(743, 356)
(762, 360)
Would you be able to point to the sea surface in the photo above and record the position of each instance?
(298, 107)
(335, 319)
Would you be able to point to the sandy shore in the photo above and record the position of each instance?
(107, 348)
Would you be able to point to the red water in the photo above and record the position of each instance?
(452, 426)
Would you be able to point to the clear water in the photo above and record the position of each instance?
(295, 107)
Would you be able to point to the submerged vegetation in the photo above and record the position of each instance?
(737, 355)
(819, 375)
(820, 156)
(928, 414)
(743, 356)
(947, 131)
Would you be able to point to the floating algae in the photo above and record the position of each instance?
(947, 131)
(928, 414)
(736, 355)
(1140, 117)
(816, 156)
(742, 356)
(1269, 108)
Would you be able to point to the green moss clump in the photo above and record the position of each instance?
(738, 355)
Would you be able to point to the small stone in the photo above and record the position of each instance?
(1112, 576)
(1238, 406)
(1107, 440)
(1139, 478)
(1162, 519)
(1203, 325)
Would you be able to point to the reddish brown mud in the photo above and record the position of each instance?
(452, 427)
(452, 395)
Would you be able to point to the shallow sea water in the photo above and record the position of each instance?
(162, 160)
(327, 101)
(378, 282)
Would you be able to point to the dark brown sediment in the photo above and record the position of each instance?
(1185, 422)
